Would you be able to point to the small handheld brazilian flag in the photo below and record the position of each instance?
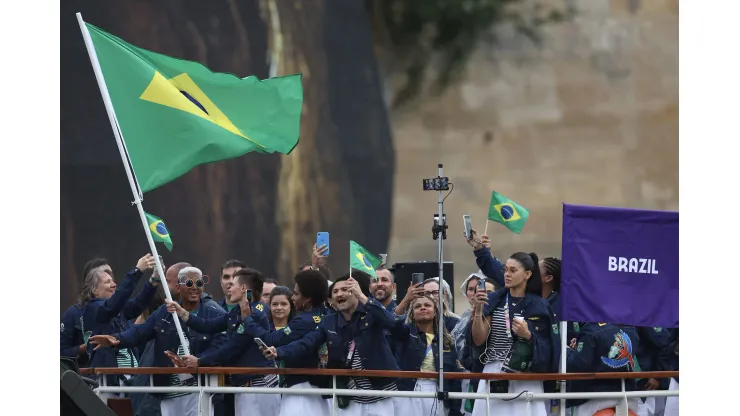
(361, 259)
(159, 231)
(507, 212)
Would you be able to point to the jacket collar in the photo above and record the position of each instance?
(342, 322)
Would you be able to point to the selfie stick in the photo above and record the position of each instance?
(440, 227)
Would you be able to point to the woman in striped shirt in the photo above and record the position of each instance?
(513, 330)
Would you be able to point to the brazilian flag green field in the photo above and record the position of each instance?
(176, 114)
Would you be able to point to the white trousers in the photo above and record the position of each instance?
(381, 408)
(514, 407)
(294, 404)
(250, 404)
(407, 406)
(593, 406)
(671, 403)
(186, 405)
(653, 406)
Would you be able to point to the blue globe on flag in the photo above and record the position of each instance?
(507, 211)
(161, 229)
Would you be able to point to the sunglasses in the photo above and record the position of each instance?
(199, 283)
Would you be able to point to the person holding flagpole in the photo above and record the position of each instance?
(107, 310)
(513, 330)
(240, 350)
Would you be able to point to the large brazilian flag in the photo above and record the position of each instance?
(176, 114)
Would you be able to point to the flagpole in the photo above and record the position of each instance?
(486, 230)
(563, 360)
(440, 249)
(126, 165)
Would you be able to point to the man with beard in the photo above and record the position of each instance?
(383, 289)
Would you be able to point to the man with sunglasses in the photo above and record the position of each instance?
(240, 350)
(161, 327)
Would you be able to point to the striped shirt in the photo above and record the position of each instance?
(363, 383)
(125, 358)
(175, 380)
(498, 343)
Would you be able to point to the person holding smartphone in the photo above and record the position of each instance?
(489, 265)
(240, 350)
(355, 340)
(513, 330)
(418, 339)
(309, 295)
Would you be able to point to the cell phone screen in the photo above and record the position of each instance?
(467, 225)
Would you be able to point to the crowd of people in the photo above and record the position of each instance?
(354, 321)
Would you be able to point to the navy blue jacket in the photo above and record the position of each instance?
(364, 328)
(262, 306)
(392, 344)
(654, 342)
(110, 316)
(240, 350)
(670, 357)
(70, 338)
(573, 327)
(160, 327)
(490, 266)
(602, 348)
(411, 353)
(302, 324)
(545, 334)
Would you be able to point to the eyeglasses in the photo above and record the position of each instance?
(199, 283)
(432, 293)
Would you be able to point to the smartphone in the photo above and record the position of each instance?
(322, 239)
(468, 226)
(417, 278)
(260, 343)
(384, 258)
(482, 284)
(249, 295)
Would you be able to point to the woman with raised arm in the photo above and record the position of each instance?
(309, 295)
(418, 341)
(355, 340)
(513, 330)
(107, 310)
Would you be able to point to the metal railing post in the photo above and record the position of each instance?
(488, 398)
(334, 403)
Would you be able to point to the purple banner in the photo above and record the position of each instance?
(620, 266)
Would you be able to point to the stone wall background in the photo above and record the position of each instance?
(588, 117)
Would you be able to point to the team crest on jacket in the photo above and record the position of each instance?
(555, 329)
(240, 330)
(620, 353)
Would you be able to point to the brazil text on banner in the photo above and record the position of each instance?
(176, 114)
(620, 266)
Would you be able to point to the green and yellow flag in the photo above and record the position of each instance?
(176, 114)
(507, 212)
(361, 259)
(158, 230)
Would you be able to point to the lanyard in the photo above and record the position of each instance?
(506, 317)
(351, 351)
